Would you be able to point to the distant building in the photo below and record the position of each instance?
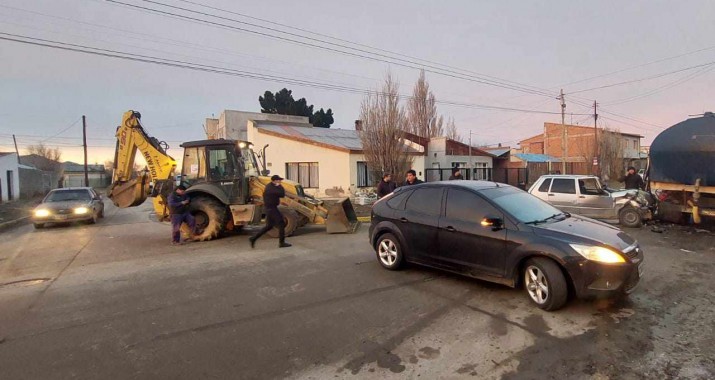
(9, 177)
(74, 175)
(581, 146)
(444, 154)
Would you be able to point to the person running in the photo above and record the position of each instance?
(271, 199)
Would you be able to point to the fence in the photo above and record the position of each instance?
(36, 182)
(438, 174)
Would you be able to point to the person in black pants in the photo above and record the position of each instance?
(271, 199)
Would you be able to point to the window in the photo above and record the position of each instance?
(589, 186)
(459, 164)
(426, 201)
(305, 173)
(364, 176)
(222, 164)
(194, 168)
(469, 207)
(544, 188)
(563, 186)
(397, 201)
(635, 144)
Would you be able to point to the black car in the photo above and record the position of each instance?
(73, 204)
(502, 234)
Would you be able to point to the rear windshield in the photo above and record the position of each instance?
(68, 195)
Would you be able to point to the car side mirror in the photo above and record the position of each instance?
(493, 222)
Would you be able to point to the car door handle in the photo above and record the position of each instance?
(582, 196)
(404, 220)
(551, 195)
(450, 229)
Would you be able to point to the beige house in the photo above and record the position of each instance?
(328, 162)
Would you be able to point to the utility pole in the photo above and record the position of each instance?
(84, 143)
(16, 151)
(595, 138)
(564, 134)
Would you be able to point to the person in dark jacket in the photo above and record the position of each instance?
(178, 211)
(632, 180)
(386, 185)
(271, 199)
(412, 178)
(456, 174)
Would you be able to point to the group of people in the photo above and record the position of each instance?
(387, 185)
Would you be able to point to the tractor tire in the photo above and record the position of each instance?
(291, 218)
(210, 215)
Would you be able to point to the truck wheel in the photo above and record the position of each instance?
(291, 218)
(630, 217)
(210, 215)
(545, 283)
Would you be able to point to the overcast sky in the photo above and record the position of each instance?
(541, 45)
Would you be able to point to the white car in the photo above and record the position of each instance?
(584, 195)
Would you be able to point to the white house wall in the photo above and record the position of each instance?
(437, 156)
(9, 162)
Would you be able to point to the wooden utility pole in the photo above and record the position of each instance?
(471, 171)
(596, 163)
(84, 143)
(16, 151)
(564, 134)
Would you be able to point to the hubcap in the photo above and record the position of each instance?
(388, 252)
(536, 284)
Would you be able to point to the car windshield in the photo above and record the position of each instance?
(523, 206)
(68, 195)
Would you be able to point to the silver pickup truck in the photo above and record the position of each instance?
(584, 195)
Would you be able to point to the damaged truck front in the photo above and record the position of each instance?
(681, 170)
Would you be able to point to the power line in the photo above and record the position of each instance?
(394, 61)
(226, 71)
(678, 82)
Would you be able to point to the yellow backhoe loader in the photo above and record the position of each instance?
(223, 181)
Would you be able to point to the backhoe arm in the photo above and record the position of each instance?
(129, 189)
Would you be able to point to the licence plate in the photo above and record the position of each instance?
(61, 217)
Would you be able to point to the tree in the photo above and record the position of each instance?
(41, 150)
(283, 103)
(422, 111)
(383, 128)
(610, 153)
(451, 131)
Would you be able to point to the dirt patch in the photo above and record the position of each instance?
(17, 209)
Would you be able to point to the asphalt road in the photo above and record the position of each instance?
(116, 300)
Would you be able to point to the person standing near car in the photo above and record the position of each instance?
(412, 178)
(271, 199)
(632, 180)
(386, 185)
(179, 213)
(456, 174)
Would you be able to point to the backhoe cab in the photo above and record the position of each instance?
(222, 179)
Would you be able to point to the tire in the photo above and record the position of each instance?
(93, 220)
(389, 252)
(210, 215)
(291, 218)
(542, 275)
(39, 225)
(630, 217)
(101, 213)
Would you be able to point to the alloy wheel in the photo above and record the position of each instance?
(536, 284)
(388, 252)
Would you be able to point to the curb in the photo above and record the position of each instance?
(12, 223)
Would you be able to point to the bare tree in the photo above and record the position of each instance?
(452, 133)
(422, 111)
(41, 150)
(383, 126)
(610, 153)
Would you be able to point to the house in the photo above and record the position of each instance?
(443, 154)
(579, 152)
(74, 175)
(9, 177)
(327, 162)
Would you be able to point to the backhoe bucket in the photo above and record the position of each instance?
(342, 218)
(129, 194)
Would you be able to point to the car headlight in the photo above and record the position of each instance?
(42, 213)
(81, 210)
(600, 254)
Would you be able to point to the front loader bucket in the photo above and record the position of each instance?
(129, 194)
(342, 218)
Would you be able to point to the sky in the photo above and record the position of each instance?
(649, 64)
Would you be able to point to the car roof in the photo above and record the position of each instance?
(465, 184)
(568, 176)
(72, 188)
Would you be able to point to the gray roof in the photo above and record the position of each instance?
(339, 138)
(496, 151)
(70, 166)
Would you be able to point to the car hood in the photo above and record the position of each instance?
(65, 205)
(581, 230)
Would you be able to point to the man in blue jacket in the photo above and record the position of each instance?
(179, 212)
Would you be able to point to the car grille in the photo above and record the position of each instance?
(63, 212)
(632, 251)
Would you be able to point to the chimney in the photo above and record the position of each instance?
(358, 125)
